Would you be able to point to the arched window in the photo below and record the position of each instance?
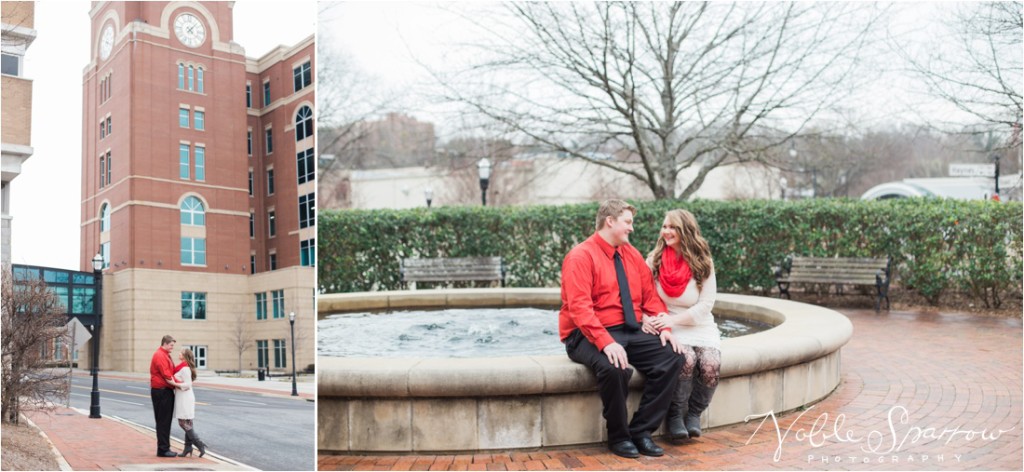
(104, 218)
(199, 80)
(192, 212)
(303, 123)
(181, 76)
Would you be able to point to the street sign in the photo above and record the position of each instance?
(972, 170)
(78, 333)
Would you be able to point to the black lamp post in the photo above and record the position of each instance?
(291, 320)
(995, 158)
(429, 194)
(782, 187)
(94, 405)
(484, 166)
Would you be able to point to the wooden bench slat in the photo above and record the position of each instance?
(452, 269)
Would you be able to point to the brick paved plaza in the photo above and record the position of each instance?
(952, 384)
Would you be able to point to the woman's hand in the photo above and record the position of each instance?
(661, 321)
(648, 325)
(666, 337)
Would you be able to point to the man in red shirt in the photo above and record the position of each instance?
(161, 368)
(603, 333)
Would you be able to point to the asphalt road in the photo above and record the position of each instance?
(268, 432)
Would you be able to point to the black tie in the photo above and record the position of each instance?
(628, 315)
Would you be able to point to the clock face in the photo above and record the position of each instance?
(190, 30)
(106, 42)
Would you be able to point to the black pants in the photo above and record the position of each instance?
(659, 364)
(163, 412)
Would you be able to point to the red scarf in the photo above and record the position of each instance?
(674, 274)
(180, 366)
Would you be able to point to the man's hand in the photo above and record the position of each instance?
(616, 355)
(666, 337)
(661, 321)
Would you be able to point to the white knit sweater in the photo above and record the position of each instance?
(697, 304)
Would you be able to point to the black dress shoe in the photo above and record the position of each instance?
(647, 447)
(167, 453)
(624, 449)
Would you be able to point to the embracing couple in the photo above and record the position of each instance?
(620, 310)
(171, 391)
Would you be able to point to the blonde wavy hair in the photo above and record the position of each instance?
(695, 248)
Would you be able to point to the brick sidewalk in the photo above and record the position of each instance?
(107, 444)
(953, 375)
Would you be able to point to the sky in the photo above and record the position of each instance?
(46, 198)
(391, 41)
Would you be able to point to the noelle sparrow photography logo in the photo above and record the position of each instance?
(891, 443)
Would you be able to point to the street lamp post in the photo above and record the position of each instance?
(995, 158)
(291, 320)
(94, 405)
(429, 193)
(484, 166)
(782, 187)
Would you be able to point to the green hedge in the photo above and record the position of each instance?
(937, 245)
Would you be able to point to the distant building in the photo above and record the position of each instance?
(18, 20)
(198, 187)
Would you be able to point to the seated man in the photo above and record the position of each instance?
(606, 286)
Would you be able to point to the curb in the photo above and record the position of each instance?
(63, 463)
(209, 454)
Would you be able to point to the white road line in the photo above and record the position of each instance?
(108, 399)
(244, 401)
(139, 388)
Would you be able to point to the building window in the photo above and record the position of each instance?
(193, 251)
(303, 124)
(181, 76)
(307, 252)
(248, 95)
(105, 254)
(273, 261)
(271, 223)
(200, 163)
(270, 181)
(306, 167)
(183, 160)
(250, 182)
(261, 306)
(110, 128)
(103, 129)
(104, 218)
(270, 140)
(307, 210)
(277, 301)
(199, 80)
(200, 121)
(303, 76)
(103, 170)
(200, 354)
(110, 164)
(191, 78)
(261, 354)
(266, 93)
(250, 143)
(192, 212)
(193, 305)
(183, 117)
(252, 263)
(252, 225)
(280, 354)
(10, 64)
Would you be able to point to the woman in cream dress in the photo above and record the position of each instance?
(684, 276)
(185, 401)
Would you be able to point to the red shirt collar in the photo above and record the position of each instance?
(606, 248)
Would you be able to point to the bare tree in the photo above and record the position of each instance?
(679, 85)
(980, 73)
(241, 337)
(33, 319)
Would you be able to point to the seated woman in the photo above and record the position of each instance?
(684, 276)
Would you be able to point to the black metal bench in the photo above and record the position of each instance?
(451, 269)
(837, 271)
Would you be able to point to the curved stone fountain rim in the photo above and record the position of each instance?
(803, 333)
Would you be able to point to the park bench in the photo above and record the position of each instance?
(451, 269)
(838, 271)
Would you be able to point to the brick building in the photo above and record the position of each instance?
(198, 187)
(18, 20)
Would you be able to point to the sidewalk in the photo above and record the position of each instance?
(951, 384)
(108, 444)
